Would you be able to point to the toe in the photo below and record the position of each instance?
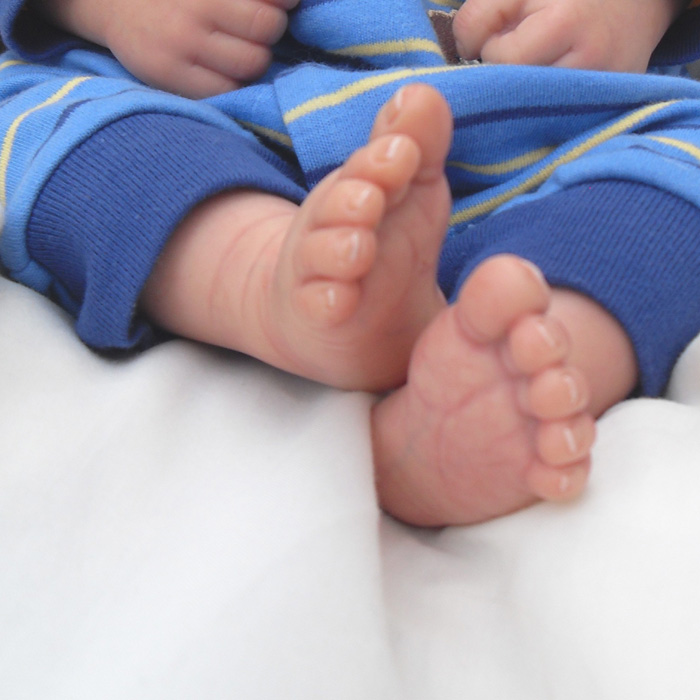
(327, 303)
(566, 441)
(563, 484)
(555, 393)
(390, 162)
(501, 291)
(342, 253)
(346, 202)
(412, 107)
(537, 342)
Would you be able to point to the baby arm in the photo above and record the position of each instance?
(617, 35)
(196, 48)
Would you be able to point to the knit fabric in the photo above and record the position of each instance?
(81, 241)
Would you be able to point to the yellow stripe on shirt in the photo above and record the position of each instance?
(506, 166)
(680, 145)
(359, 87)
(265, 131)
(382, 48)
(538, 178)
(12, 62)
(9, 139)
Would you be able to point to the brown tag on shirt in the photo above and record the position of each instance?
(442, 24)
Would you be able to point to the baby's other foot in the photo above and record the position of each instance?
(355, 284)
(493, 416)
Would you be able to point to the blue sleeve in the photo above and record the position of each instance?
(95, 173)
(28, 35)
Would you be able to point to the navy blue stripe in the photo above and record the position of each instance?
(291, 52)
(539, 112)
(313, 3)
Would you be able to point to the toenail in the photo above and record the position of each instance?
(570, 440)
(536, 272)
(349, 247)
(359, 198)
(331, 298)
(572, 386)
(561, 444)
(392, 148)
(564, 483)
(546, 334)
(395, 105)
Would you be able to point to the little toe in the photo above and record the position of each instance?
(555, 393)
(565, 441)
(559, 485)
(535, 343)
(340, 253)
(500, 291)
(328, 303)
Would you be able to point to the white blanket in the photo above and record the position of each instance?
(190, 524)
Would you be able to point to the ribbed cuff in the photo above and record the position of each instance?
(106, 213)
(631, 247)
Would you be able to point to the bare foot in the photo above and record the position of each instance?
(356, 276)
(494, 415)
(337, 289)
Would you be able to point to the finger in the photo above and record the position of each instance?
(232, 57)
(596, 53)
(253, 20)
(477, 21)
(193, 81)
(540, 39)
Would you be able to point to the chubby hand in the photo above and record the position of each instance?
(616, 35)
(195, 48)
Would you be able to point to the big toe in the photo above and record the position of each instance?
(408, 112)
(499, 292)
